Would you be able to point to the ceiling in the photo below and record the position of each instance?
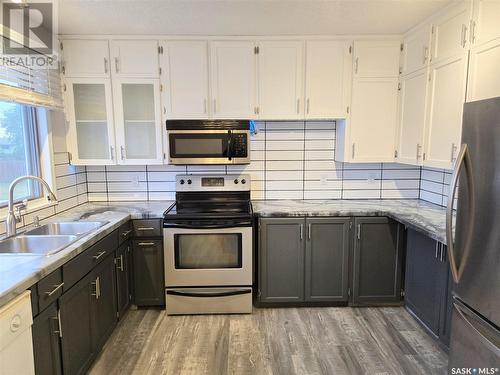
(243, 17)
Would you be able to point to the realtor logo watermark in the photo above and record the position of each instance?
(29, 34)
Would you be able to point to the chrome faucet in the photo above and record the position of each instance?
(12, 219)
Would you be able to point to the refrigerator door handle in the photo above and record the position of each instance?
(469, 316)
(463, 160)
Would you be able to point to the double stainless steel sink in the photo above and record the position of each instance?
(48, 239)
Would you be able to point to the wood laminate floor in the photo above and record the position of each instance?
(272, 341)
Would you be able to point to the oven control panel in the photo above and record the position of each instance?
(230, 182)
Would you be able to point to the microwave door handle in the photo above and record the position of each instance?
(229, 140)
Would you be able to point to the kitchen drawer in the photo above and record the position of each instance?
(49, 289)
(78, 267)
(124, 232)
(147, 228)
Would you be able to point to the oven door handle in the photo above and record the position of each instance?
(209, 295)
(208, 226)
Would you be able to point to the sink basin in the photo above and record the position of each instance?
(35, 245)
(75, 228)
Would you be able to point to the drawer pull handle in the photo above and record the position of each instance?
(119, 266)
(56, 288)
(146, 243)
(126, 233)
(98, 255)
(146, 228)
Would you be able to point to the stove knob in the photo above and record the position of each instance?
(190, 182)
(236, 181)
(182, 182)
(243, 181)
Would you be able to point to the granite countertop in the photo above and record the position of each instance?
(19, 272)
(425, 217)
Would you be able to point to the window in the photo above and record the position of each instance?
(19, 151)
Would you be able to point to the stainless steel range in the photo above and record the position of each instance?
(208, 246)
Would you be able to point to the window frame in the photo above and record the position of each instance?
(40, 126)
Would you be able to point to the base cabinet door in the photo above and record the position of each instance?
(149, 282)
(424, 279)
(123, 290)
(104, 305)
(377, 261)
(281, 260)
(326, 259)
(75, 309)
(46, 349)
(446, 308)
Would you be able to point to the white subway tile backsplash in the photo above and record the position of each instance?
(361, 194)
(323, 194)
(284, 175)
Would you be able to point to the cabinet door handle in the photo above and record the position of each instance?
(453, 150)
(96, 293)
(436, 252)
(353, 149)
(307, 106)
(146, 243)
(120, 258)
(309, 231)
(441, 255)
(111, 152)
(472, 31)
(105, 65)
(464, 35)
(356, 62)
(145, 228)
(301, 232)
(56, 288)
(122, 152)
(98, 255)
(126, 233)
(425, 54)
(59, 326)
(359, 232)
(419, 148)
(117, 68)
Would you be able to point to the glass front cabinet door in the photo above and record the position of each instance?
(90, 116)
(138, 121)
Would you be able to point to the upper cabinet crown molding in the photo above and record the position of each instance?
(233, 79)
(379, 58)
(280, 80)
(85, 58)
(135, 58)
(328, 78)
(185, 78)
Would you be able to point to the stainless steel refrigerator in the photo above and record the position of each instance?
(475, 254)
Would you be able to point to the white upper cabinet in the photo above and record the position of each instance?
(412, 117)
(485, 25)
(280, 80)
(85, 58)
(484, 64)
(446, 99)
(484, 68)
(185, 64)
(451, 32)
(233, 79)
(379, 58)
(135, 58)
(416, 50)
(328, 79)
(138, 120)
(89, 111)
(373, 120)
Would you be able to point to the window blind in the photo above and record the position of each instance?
(39, 86)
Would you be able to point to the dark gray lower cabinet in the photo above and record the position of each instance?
(428, 284)
(46, 349)
(104, 305)
(281, 260)
(326, 261)
(123, 290)
(149, 282)
(377, 261)
(75, 308)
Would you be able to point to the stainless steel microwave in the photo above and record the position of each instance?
(208, 141)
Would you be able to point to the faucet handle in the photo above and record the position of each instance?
(19, 208)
